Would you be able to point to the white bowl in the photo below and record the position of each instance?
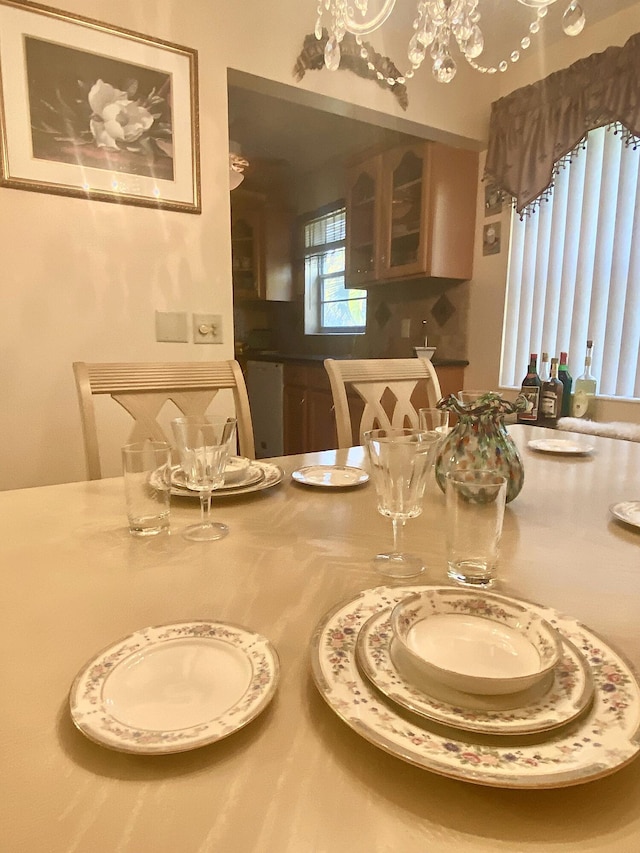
(236, 468)
(474, 641)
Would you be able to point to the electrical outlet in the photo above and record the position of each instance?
(405, 328)
(207, 328)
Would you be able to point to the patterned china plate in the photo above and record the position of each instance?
(250, 475)
(267, 473)
(330, 476)
(560, 445)
(564, 696)
(603, 740)
(627, 511)
(176, 687)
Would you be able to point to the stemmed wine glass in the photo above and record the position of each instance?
(400, 464)
(204, 445)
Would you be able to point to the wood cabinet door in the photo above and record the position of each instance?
(294, 419)
(321, 421)
(364, 209)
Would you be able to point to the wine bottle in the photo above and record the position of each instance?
(551, 397)
(567, 382)
(544, 368)
(585, 387)
(530, 390)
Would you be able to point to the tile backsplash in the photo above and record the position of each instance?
(435, 307)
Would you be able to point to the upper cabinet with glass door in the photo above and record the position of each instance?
(364, 209)
(421, 219)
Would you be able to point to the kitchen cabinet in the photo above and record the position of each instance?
(411, 214)
(308, 416)
(261, 248)
(308, 419)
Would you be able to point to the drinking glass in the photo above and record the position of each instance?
(146, 466)
(400, 463)
(434, 420)
(475, 511)
(204, 445)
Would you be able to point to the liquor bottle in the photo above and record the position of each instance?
(565, 377)
(584, 390)
(551, 398)
(544, 368)
(530, 390)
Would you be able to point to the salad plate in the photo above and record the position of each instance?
(330, 476)
(627, 511)
(602, 740)
(266, 475)
(173, 688)
(560, 699)
(232, 480)
(560, 445)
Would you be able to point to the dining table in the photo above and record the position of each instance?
(315, 770)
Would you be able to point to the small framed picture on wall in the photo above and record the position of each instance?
(493, 198)
(491, 238)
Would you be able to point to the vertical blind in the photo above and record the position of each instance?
(574, 271)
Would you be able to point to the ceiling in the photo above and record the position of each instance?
(271, 128)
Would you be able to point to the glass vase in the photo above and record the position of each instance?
(480, 441)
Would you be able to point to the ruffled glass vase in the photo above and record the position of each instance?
(480, 440)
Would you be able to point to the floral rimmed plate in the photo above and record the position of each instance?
(562, 698)
(601, 741)
(175, 687)
(330, 476)
(627, 511)
(267, 475)
(560, 445)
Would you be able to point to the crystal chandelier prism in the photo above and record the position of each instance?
(438, 26)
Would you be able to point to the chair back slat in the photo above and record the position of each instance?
(142, 389)
(386, 386)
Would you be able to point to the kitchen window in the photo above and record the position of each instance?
(574, 270)
(329, 307)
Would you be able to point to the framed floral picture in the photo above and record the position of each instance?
(96, 111)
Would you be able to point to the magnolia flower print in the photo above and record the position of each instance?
(116, 120)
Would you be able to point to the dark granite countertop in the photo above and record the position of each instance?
(272, 355)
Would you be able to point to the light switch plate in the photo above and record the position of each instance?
(207, 328)
(171, 326)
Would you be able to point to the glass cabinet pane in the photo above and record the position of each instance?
(362, 225)
(406, 210)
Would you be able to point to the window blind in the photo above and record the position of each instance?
(574, 271)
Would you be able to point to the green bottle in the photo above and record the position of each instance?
(565, 377)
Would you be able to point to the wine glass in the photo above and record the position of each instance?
(434, 420)
(204, 445)
(400, 463)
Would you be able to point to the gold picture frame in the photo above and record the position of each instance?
(95, 111)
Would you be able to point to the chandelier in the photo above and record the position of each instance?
(438, 25)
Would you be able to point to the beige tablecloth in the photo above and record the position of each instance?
(296, 779)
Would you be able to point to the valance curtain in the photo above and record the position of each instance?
(534, 128)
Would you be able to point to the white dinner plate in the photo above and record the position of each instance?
(563, 696)
(627, 511)
(270, 475)
(330, 476)
(176, 687)
(560, 445)
(602, 740)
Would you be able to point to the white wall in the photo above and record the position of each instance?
(487, 290)
(82, 280)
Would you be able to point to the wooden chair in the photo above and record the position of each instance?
(143, 389)
(386, 385)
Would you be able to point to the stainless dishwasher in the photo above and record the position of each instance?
(264, 386)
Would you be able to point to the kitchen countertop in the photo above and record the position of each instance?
(273, 355)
